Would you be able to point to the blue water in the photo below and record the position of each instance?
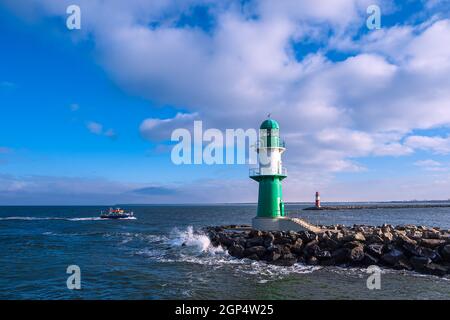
(145, 258)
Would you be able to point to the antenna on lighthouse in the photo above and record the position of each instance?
(268, 115)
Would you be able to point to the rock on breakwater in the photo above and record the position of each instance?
(419, 248)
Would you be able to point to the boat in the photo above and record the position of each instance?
(116, 213)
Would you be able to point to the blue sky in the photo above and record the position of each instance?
(365, 113)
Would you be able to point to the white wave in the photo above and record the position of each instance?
(84, 219)
(193, 239)
(60, 218)
(31, 218)
(96, 219)
(28, 218)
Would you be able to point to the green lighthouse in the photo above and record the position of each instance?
(269, 175)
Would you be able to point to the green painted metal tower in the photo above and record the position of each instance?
(269, 172)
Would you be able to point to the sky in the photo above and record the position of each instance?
(86, 115)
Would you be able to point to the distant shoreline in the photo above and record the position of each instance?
(375, 206)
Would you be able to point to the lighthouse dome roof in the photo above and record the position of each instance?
(269, 124)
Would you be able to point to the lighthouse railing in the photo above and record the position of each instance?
(267, 172)
(262, 144)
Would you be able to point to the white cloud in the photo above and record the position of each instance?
(97, 129)
(431, 165)
(427, 163)
(437, 145)
(161, 129)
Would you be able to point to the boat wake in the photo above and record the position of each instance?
(60, 218)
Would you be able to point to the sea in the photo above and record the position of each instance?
(161, 254)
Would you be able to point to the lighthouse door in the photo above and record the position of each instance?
(282, 208)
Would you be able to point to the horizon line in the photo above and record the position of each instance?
(205, 204)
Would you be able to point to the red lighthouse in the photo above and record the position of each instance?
(317, 199)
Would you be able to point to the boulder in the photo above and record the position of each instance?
(323, 254)
(272, 256)
(311, 249)
(401, 239)
(446, 237)
(337, 236)
(416, 235)
(358, 236)
(374, 239)
(268, 240)
(285, 250)
(277, 234)
(392, 257)
(353, 244)
(370, 259)
(286, 256)
(312, 261)
(293, 235)
(445, 252)
(307, 236)
(311, 244)
(282, 240)
(340, 255)
(312, 236)
(297, 248)
(298, 242)
(236, 250)
(260, 251)
(431, 234)
(375, 249)
(255, 241)
(356, 254)
(255, 233)
(436, 269)
(403, 264)
(431, 243)
(225, 240)
(253, 257)
(419, 251)
(275, 248)
(387, 237)
(322, 237)
(419, 263)
(330, 244)
(377, 232)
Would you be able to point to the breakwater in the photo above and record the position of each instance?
(419, 248)
(375, 206)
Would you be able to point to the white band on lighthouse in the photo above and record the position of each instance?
(270, 161)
